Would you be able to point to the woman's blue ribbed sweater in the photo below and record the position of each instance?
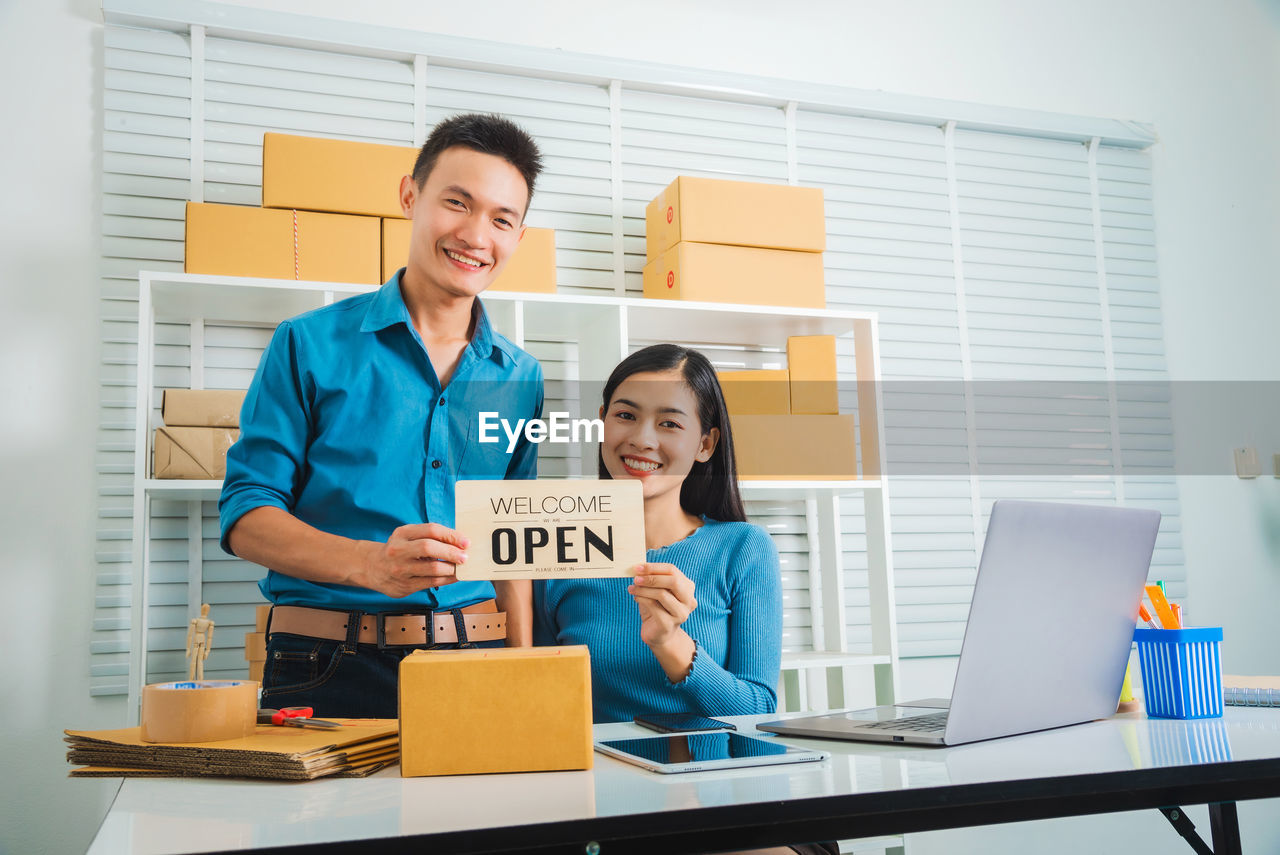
(737, 626)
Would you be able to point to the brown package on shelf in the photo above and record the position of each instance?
(202, 407)
(235, 240)
(760, 392)
(255, 646)
(513, 709)
(795, 448)
(742, 213)
(531, 268)
(255, 653)
(260, 617)
(337, 176)
(737, 274)
(811, 359)
(198, 453)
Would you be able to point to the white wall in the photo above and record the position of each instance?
(1206, 75)
(50, 160)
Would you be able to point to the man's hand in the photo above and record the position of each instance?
(414, 558)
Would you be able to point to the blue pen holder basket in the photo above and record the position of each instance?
(1181, 671)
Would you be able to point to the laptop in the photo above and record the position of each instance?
(1048, 636)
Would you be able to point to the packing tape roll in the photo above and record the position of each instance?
(202, 711)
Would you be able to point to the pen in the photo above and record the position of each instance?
(1146, 616)
(1163, 612)
(1177, 614)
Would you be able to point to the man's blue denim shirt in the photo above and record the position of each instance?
(346, 426)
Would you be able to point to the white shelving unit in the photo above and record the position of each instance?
(605, 330)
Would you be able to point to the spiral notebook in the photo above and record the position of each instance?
(1250, 691)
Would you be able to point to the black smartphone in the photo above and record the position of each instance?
(681, 722)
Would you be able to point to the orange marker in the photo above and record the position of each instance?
(1177, 613)
(1146, 616)
(1163, 612)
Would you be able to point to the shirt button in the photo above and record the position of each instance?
(435, 464)
(441, 402)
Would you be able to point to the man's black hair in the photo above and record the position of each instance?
(487, 134)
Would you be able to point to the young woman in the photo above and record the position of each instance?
(699, 627)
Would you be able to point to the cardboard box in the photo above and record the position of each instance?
(336, 176)
(532, 268)
(236, 240)
(789, 448)
(255, 643)
(811, 359)
(202, 407)
(742, 213)
(395, 245)
(255, 652)
(504, 709)
(255, 646)
(737, 274)
(191, 452)
(764, 392)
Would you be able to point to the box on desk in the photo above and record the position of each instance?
(787, 448)
(236, 240)
(758, 392)
(737, 274)
(531, 268)
(198, 453)
(499, 709)
(202, 407)
(742, 213)
(337, 176)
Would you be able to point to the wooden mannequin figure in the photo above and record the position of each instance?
(199, 640)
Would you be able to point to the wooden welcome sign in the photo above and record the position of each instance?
(552, 529)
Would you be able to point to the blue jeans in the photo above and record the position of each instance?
(336, 679)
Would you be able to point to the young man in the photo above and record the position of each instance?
(359, 421)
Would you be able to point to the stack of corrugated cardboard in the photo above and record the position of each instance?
(199, 427)
(331, 213)
(360, 748)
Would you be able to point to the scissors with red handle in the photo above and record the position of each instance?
(294, 717)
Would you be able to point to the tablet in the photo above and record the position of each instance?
(696, 752)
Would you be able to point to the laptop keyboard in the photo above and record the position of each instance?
(916, 723)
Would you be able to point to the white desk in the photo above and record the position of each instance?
(1123, 763)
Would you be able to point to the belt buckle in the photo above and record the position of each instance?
(381, 627)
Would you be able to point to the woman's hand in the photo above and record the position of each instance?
(664, 596)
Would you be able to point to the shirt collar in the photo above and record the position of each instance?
(388, 309)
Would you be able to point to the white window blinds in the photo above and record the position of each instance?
(1014, 274)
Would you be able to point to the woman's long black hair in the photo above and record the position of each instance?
(711, 488)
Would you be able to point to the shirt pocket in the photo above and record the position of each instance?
(484, 460)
